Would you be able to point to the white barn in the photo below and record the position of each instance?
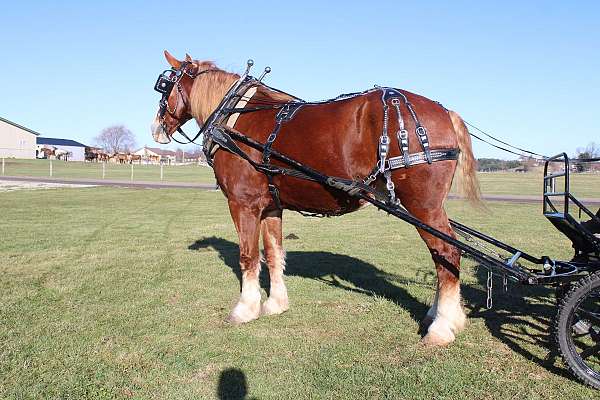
(16, 141)
(155, 155)
(75, 149)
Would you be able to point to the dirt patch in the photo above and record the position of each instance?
(10, 186)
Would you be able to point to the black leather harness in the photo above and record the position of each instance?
(217, 135)
(286, 113)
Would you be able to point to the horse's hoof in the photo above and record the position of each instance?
(273, 307)
(241, 314)
(433, 339)
(234, 319)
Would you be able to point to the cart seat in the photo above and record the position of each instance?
(582, 239)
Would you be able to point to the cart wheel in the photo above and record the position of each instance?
(578, 329)
(561, 290)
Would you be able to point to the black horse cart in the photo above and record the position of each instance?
(577, 281)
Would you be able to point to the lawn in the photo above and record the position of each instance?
(113, 171)
(582, 184)
(121, 293)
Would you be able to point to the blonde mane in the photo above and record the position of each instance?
(210, 88)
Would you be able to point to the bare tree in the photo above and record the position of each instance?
(179, 154)
(527, 163)
(116, 139)
(592, 150)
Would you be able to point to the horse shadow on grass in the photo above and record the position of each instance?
(522, 318)
(336, 270)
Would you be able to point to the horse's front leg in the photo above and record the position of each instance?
(277, 302)
(247, 224)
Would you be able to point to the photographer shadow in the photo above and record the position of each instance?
(233, 385)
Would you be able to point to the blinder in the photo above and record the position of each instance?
(164, 85)
(166, 80)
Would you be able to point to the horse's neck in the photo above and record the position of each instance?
(209, 93)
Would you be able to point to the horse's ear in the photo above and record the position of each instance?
(188, 58)
(173, 62)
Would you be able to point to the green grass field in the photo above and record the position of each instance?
(582, 185)
(121, 293)
(113, 171)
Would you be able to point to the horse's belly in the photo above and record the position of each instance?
(299, 194)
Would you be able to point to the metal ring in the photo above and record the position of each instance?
(421, 131)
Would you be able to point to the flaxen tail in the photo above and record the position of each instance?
(466, 177)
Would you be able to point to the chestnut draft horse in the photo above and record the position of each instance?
(337, 138)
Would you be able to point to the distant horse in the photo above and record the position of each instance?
(62, 154)
(94, 154)
(120, 158)
(337, 138)
(45, 152)
(131, 158)
(91, 156)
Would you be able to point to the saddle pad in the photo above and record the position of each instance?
(241, 104)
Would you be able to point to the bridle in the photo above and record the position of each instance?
(165, 83)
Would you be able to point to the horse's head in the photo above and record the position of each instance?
(175, 85)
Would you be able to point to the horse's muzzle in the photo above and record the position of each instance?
(158, 133)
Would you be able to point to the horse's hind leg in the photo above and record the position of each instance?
(445, 317)
(247, 224)
(446, 314)
(277, 302)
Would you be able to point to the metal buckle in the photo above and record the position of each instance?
(384, 145)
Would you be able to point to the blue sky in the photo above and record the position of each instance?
(524, 71)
